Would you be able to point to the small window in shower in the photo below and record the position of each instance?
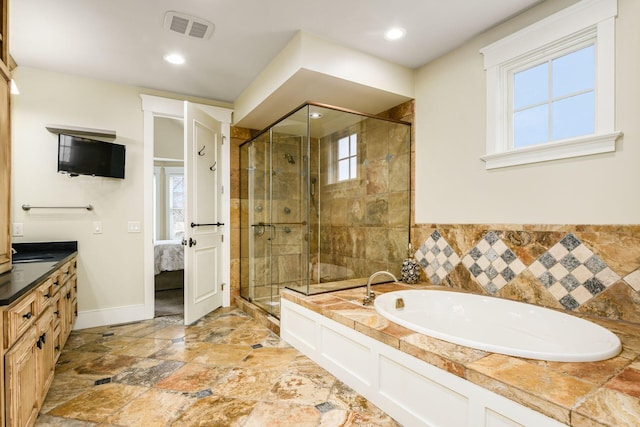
(347, 158)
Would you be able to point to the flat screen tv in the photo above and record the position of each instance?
(84, 156)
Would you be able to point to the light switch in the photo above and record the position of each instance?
(97, 227)
(18, 229)
(133, 226)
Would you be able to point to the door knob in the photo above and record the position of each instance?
(192, 242)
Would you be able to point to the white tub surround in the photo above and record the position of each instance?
(421, 380)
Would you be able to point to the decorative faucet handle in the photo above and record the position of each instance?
(368, 299)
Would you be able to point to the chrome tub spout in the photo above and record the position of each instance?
(370, 296)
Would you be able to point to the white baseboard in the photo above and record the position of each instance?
(109, 316)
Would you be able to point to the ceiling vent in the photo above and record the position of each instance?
(188, 26)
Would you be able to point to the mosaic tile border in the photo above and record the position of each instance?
(566, 269)
(436, 257)
(492, 264)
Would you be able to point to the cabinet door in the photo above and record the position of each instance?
(5, 172)
(21, 382)
(45, 344)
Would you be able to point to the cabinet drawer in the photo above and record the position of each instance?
(19, 317)
(44, 294)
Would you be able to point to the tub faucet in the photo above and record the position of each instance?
(370, 296)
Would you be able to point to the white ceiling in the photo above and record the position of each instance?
(124, 40)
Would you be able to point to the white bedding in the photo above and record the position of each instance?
(168, 255)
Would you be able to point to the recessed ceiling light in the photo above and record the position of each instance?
(174, 58)
(315, 115)
(395, 33)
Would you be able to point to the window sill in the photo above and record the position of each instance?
(567, 148)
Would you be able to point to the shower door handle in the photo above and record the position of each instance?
(192, 242)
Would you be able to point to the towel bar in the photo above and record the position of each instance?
(29, 207)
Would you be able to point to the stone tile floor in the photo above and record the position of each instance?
(225, 370)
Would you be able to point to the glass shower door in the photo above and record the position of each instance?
(289, 239)
(258, 210)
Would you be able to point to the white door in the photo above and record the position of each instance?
(203, 228)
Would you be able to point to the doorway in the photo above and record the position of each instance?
(168, 216)
(198, 287)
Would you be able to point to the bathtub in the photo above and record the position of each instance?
(499, 325)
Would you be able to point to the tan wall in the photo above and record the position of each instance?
(110, 282)
(452, 184)
(169, 138)
(110, 264)
(528, 210)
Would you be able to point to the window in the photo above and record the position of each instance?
(347, 158)
(550, 89)
(554, 100)
(175, 208)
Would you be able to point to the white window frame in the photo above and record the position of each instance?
(588, 19)
(334, 173)
(157, 202)
(351, 156)
(170, 171)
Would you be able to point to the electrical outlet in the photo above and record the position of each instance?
(133, 226)
(97, 227)
(18, 229)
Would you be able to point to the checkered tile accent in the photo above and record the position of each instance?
(492, 264)
(633, 279)
(436, 257)
(572, 272)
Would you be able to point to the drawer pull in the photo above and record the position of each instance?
(56, 312)
(47, 295)
(69, 295)
(27, 315)
(42, 340)
(57, 348)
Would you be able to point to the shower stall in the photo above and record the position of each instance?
(324, 202)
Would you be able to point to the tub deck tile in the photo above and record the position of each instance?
(555, 393)
(607, 407)
(345, 313)
(450, 357)
(383, 330)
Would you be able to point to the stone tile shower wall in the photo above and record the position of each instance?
(589, 269)
(363, 224)
(238, 206)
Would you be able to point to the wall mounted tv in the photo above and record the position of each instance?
(83, 156)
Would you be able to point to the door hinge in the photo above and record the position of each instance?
(222, 189)
(224, 137)
(222, 237)
(223, 286)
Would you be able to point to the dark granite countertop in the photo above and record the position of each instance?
(32, 263)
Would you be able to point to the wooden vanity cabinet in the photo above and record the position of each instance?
(36, 326)
(21, 381)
